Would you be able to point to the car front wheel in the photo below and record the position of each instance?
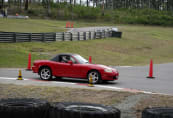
(96, 77)
(45, 73)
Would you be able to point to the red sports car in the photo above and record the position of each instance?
(73, 66)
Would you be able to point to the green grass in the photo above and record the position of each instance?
(138, 45)
(39, 25)
(30, 25)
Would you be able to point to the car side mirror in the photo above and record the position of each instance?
(70, 62)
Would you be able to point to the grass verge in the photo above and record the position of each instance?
(138, 45)
(62, 94)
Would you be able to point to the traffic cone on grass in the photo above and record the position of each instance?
(90, 59)
(71, 24)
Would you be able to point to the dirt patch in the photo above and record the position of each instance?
(126, 106)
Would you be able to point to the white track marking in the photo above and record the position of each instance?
(101, 86)
(63, 82)
(110, 87)
(125, 66)
(11, 78)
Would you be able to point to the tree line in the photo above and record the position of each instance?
(104, 4)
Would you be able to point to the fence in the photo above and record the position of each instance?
(48, 37)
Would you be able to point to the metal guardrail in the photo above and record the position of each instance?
(49, 37)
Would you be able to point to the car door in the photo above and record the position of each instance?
(61, 66)
(76, 70)
(65, 69)
(60, 69)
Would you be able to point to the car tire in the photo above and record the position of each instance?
(45, 73)
(24, 108)
(83, 110)
(96, 77)
(158, 112)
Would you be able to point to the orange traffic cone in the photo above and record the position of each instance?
(20, 75)
(72, 25)
(151, 70)
(90, 59)
(29, 62)
(67, 24)
(90, 81)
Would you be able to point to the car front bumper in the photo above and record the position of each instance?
(110, 76)
(35, 69)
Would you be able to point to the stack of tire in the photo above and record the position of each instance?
(158, 112)
(24, 108)
(34, 108)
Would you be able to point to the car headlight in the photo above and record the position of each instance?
(108, 70)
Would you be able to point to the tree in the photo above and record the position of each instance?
(26, 4)
(9, 3)
(87, 3)
(2, 3)
(48, 8)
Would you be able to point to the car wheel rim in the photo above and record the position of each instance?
(45, 74)
(95, 77)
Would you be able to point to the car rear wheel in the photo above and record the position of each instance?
(45, 73)
(96, 77)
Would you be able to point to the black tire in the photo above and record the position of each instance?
(158, 112)
(83, 110)
(45, 73)
(96, 76)
(24, 108)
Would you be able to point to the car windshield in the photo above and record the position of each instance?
(80, 59)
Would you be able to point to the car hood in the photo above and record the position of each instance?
(41, 61)
(102, 66)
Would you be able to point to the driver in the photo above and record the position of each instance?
(65, 59)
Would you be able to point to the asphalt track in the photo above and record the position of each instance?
(131, 79)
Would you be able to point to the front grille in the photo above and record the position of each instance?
(114, 77)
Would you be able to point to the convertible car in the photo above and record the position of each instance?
(73, 66)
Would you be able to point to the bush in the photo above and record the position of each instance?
(86, 12)
(143, 16)
(123, 16)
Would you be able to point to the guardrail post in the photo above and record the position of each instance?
(84, 34)
(104, 33)
(30, 37)
(100, 35)
(78, 35)
(63, 36)
(54, 35)
(14, 37)
(71, 36)
(43, 37)
(94, 35)
(90, 35)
